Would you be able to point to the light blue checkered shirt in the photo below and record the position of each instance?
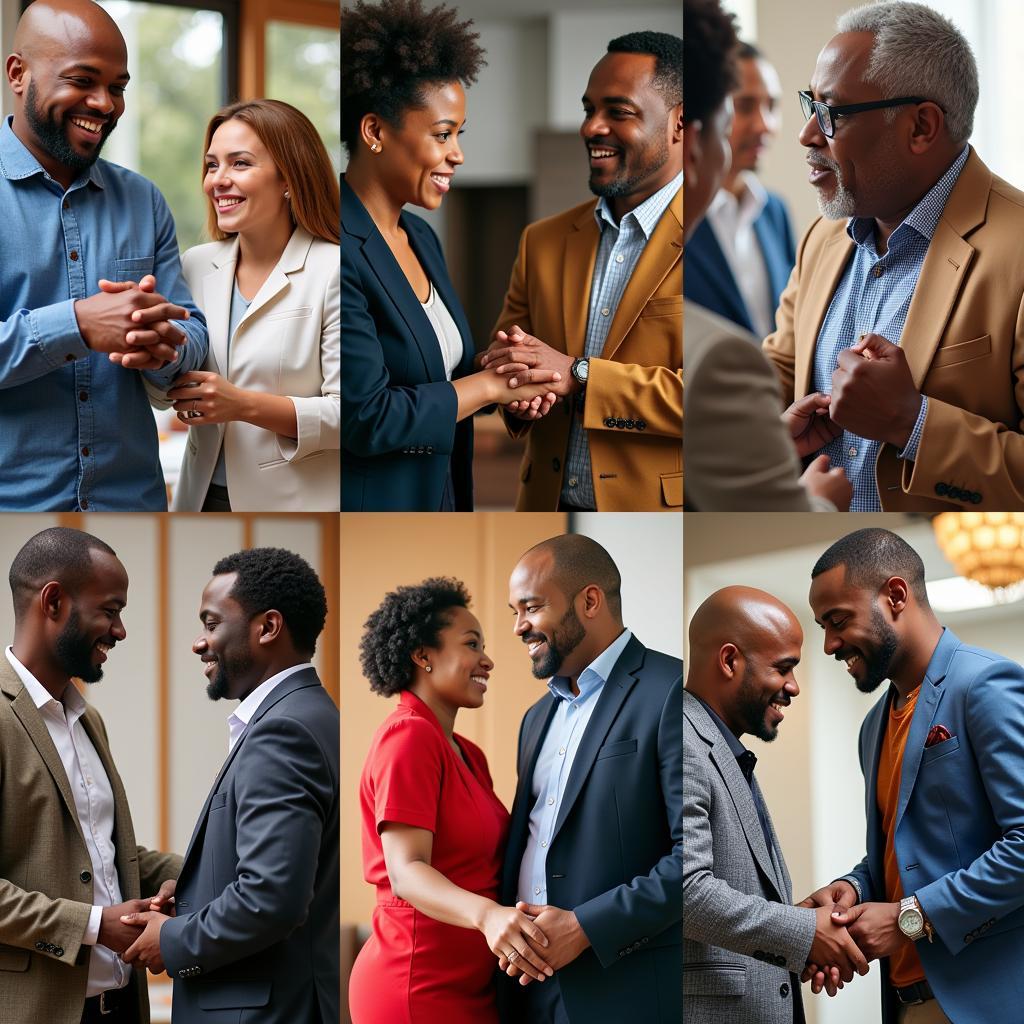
(554, 763)
(617, 254)
(873, 297)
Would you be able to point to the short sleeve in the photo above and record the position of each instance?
(406, 776)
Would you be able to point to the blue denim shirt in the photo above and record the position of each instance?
(76, 430)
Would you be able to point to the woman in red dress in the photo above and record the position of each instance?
(433, 830)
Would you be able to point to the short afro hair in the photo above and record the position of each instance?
(279, 579)
(871, 557)
(60, 554)
(709, 66)
(579, 562)
(667, 51)
(408, 618)
(391, 50)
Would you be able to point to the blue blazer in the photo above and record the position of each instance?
(708, 279)
(959, 830)
(616, 856)
(398, 429)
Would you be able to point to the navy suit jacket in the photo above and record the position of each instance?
(255, 939)
(708, 279)
(398, 429)
(616, 856)
(959, 830)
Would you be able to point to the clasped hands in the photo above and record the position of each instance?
(847, 935)
(132, 322)
(531, 942)
(527, 362)
(132, 929)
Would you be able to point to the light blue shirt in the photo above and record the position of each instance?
(76, 430)
(873, 297)
(618, 252)
(239, 307)
(554, 763)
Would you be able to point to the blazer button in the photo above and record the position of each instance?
(58, 950)
(630, 424)
(620, 423)
(976, 498)
(783, 990)
(942, 490)
(609, 421)
(40, 945)
(85, 876)
(641, 424)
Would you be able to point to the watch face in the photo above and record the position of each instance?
(582, 369)
(910, 921)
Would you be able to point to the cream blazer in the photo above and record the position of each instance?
(288, 343)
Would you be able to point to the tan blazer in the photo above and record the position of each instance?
(964, 341)
(288, 343)
(43, 897)
(739, 456)
(633, 413)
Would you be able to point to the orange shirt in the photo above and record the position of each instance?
(904, 965)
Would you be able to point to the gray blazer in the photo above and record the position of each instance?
(255, 940)
(742, 939)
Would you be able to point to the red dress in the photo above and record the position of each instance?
(413, 969)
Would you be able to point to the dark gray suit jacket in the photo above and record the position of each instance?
(255, 940)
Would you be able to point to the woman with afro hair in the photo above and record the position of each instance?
(408, 392)
(433, 830)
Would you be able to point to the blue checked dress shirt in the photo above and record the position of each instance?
(617, 254)
(76, 430)
(874, 297)
(554, 763)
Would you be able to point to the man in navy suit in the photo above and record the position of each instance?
(255, 936)
(595, 847)
(739, 258)
(939, 896)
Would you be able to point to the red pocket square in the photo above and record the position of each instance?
(937, 734)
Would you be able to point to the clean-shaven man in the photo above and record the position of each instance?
(256, 938)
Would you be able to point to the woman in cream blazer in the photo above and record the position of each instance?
(264, 413)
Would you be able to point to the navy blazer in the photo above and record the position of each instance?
(708, 279)
(398, 429)
(256, 932)
(616, 856)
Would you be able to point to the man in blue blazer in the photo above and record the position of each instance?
(595, 847)
(739, 258)
(255, 936)
(939, 895)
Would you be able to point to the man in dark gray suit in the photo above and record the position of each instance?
(255, 938)
(744, 944)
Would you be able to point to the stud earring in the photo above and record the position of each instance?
(375, 148)
(287, 195)
(428, 668)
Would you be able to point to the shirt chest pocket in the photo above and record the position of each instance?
(134, 268)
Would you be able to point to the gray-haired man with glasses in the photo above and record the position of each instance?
(906, 305)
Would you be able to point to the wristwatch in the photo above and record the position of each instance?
(580, 370)
(911, 920)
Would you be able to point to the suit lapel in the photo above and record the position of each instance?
(771, 249)
(874, 731)
(663, 250)
(218, 286)
(826, 276)
(577, 274)
(716, 272)
(611, 698)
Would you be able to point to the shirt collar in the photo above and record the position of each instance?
(595, 675)
(923, 218)
(17, 162)
(751, 202)
(734, 744)
(73, 705)
(242, 715)
(647, 214)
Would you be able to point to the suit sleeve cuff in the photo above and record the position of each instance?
(909, 453)
(92, 930)
(856, 886)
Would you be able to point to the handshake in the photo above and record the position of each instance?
(847, 935)
(540, 374)
(131, 322)
(132, 929)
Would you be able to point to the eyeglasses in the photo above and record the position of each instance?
(827, 115)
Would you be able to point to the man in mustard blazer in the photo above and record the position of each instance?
(906, 304)
(69, 865)
(600, 286)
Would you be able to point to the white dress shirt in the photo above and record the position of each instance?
(554, 763)
(732, 221)
(242, 715)
(94, 804)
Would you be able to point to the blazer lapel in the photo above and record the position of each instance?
(663, 250)
(577, 274)
(292, 259)
(716, 272)
(874, 731)
(611, 698)
(218, 285)
(827, 276)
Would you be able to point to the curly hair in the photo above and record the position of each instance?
(391, 50)
(407, 618)
(709, 61)
(279, 579)
(667, 51)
